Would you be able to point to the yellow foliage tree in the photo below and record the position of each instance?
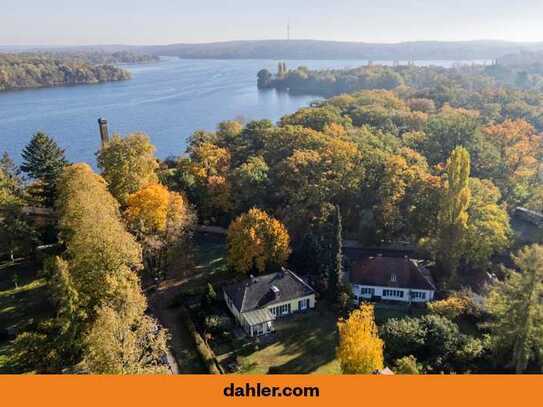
(101, 305)
(360, 349)
(153, 207)
(210, 166)
(257, 240)
(160, 218)
(128, 164)
(121, 344)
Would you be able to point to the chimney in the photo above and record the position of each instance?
(104, 133)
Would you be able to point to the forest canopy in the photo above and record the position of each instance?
(21, 71)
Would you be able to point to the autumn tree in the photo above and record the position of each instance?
(128, 164)
(315, 179)
(360, 349)
(120, 344)
(257, 241)
(97, 289)
(161, 219)
(43, 161)
(316, 118)
(209, 167)
(517, 311)
(447, 130)
(453, 213)
(488, 230)
(511, 158)
(102, 256)
(250, 182)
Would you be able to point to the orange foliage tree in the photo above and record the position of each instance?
(257, 240)
(513, 157)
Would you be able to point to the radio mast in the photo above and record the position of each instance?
(288, 29)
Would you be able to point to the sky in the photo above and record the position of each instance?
(143, 22)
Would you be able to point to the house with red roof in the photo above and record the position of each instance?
(391, 278)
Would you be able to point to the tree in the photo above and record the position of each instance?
(43, 161)
(117, 344)
(360, 349)
(256, 240)
(407, 365)
(209, 167)
(11, 184)
(161, 220)
(512, 153)
(488, 231)
(250, 182)
(433, 340)
(447, 130)
(153, 209)
(102, 256)
(128, 164)
(101, 305)
(17, 236)
(453, 212)
(264, 79)
(517, 311)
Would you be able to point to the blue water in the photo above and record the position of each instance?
(167, 100)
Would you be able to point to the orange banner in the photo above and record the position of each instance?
(98, 391)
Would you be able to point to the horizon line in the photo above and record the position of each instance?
(113, 44)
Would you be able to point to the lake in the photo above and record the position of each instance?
(167, 100)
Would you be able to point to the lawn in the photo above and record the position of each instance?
(210, 261)
(20, 304)
(305, 343)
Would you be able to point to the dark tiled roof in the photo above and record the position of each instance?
(399, 272)
(535, 218)
(257, 292)
(528, 225)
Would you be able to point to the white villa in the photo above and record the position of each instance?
(258, 301)
(392, 279)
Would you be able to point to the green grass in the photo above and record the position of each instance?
(22, 305)
(306, 343)
(210, 262)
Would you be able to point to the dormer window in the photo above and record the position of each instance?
(275, 291)
(393, 278)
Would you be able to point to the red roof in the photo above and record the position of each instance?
(396, 272)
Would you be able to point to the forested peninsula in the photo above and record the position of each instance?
(499, 90)
(22, 71)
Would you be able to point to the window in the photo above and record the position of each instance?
(367, 291)
(303, 304)
(393, 293)
(280, 310)
(418, 294)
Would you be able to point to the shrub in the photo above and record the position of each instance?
(461, 303)
(407, 365)
(207, 355)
